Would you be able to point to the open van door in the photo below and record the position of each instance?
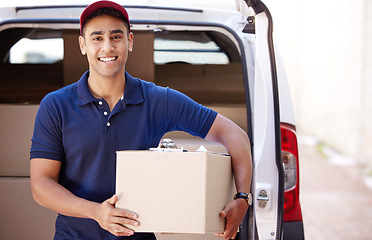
(268, 180)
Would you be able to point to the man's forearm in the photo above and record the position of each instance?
(237, 144)
(239, 150)
(50, 194)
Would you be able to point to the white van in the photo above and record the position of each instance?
(220, 53)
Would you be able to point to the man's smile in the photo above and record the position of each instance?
(107, 59)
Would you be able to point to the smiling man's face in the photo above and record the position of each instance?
(106, 44)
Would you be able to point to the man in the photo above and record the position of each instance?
(79, 128)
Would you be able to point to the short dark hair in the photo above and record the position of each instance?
(106, 11)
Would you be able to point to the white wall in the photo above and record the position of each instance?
(327, 51)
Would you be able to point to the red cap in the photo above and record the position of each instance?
(98, 5)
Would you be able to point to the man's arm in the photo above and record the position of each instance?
(237, 143)
(50, 194)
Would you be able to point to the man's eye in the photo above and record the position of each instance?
(97, 39)
(116, 37)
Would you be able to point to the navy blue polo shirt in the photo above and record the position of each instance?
(82, 133)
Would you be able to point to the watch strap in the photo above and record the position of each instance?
(246, 196)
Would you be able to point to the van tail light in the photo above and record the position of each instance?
(292, 209)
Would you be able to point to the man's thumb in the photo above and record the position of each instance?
(112, 200)
(226, 211)
(223, 214)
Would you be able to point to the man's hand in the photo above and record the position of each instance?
(115, 220)
(234, 213)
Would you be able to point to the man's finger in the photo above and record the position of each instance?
(221, 235)
(119, 230)
(126, 221)
(118, 212)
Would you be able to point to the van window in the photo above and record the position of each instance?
(205, 65)
(27, 50)
(30, 64)
(193, 52)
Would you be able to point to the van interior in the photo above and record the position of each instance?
(33, 62)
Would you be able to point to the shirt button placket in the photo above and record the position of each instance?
(105, 113)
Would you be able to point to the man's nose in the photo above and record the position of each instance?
(107, 45)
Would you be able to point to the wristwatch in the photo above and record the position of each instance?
(246, 196)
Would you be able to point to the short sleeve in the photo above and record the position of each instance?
(47, 136)
(184, 114)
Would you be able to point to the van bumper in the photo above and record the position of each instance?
(293, 231)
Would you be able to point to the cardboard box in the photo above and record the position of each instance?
(174, 192)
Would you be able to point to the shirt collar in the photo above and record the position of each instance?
(83, 93)
(132, 92)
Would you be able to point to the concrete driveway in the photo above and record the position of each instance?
(336, 202)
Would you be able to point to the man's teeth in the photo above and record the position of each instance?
(107, 59)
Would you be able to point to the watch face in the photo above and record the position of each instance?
(249, 199)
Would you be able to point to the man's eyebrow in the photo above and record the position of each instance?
(116, 31)
(95, 33)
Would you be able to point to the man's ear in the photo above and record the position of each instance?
(130, 42)
(82, 45)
